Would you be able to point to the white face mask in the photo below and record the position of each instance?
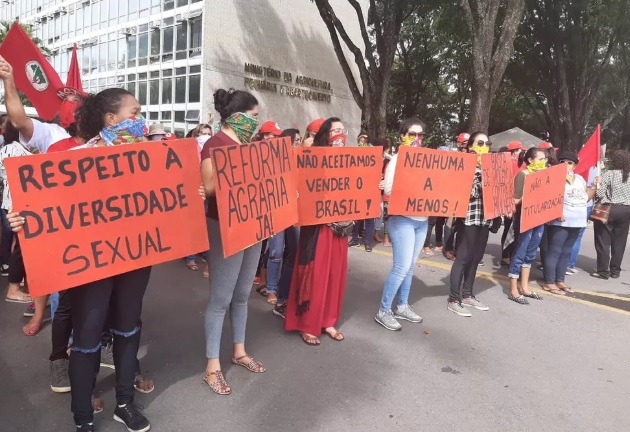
(201, 139)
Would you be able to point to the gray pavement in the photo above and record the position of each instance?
(555, 365)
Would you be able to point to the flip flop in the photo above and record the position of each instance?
(567, 289)
(555, 291)
(310, 340)
(336, 336)
(31, 329)
(23, 299)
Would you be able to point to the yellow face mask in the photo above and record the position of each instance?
(407, 141)
(479, 150)
(536, 166)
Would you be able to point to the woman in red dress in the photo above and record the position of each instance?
(319, 279)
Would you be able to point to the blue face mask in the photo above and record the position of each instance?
(127, 131)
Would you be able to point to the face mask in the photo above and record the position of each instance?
(479, 150)
(537, 166)
(156, 137)
(127, 131)
(338, 140)
(201, 139)
(243, 126)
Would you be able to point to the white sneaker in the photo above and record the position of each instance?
(474, 303)
(457, 308)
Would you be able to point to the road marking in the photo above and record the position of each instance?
(497, 278)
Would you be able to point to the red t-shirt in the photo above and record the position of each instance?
(63, 145)
(218, 140)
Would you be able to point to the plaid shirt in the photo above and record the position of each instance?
(475, 205)
(613, 190)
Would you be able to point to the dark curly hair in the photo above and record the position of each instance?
(620, 160)
(228, 102)
(91, 114)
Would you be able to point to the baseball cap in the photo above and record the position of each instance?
(315, 125)
(270, 127)
(463, 137)
(545, 145)
(515, 145)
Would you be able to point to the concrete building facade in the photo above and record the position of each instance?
(173, 54)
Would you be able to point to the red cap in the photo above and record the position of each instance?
(315, 125)
(515, 145)
(463, 137)
(545, 145)
(169, 136)
(270, 127)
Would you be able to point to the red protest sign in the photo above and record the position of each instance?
(498, 185)
(338, 184)
(32, 72)
(98, 212)
(543, 197)
(255, 190)
(432, 183)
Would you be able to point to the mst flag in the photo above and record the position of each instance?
(32, 72)
(590, 154)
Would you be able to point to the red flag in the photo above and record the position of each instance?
(590, 154)
(32, 72)
(74, 74)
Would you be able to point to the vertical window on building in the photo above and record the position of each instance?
(78, 25)
(195, 37)
(180, 89)
(112, 57)
(94, 58)
(144, 7)
(133, 9)
(155, 6)
(87, 18)
(167, 90)
(143, 48)
(142, 92)
(155, 45)
(182, 3)
(84, 55)
(104, 13)
(95, 14)
(154, 92)
(131, 50)
(194, 88)
(123, 8)
(182, 40)
(167, 44)
(113, 13)
(64, 25)
(57, 25)
(131, 88)
(64, 62)
(102, 57)
(122, 53)
(169, 5)
(154, 116)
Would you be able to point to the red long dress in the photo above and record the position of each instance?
(326, 275)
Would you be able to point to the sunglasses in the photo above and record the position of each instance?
(570, 163)
(486, 143)
(416, 134)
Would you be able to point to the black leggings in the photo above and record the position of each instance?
(471, 245)
(61, 327)
(16, 264)
(438, 223)
(118, 298)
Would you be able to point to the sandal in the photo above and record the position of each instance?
(262, 290)
(555, 291)
(220, 386)
(24, 298)
(566, 289)
(192, 266)
(97, 405)
(252, 365)
(533, 295)
(520, 299)
(336, 335)
(272, 299)
(310, 339)
(31, 329)
(143, 385)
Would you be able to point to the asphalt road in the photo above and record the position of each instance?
(556, 365)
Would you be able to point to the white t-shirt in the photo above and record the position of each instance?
(44, 135)
(9, 150)
(390, 172)
(575, 203)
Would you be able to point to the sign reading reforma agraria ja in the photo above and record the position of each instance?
(338, 184)
(432, 183)
(255, 191)
(98, 212)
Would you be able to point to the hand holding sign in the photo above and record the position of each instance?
(432, 183)
(338, 183)
(543, 197)
(255, 191)
(98, 212)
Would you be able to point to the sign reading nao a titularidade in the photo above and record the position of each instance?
(98, 212)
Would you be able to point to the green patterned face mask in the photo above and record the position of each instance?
(243, 126)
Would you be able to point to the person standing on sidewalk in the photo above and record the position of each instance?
(472, 232)
(407, 234)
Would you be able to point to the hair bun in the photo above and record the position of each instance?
(221, 100)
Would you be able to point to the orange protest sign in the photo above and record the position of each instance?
(432, 183)
(256, 193)
(498, 185)
(543, 197)
(98, 212)
(338, 184)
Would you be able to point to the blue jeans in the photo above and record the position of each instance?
(525, 250)
(6, 239)
(576, 247)
(407, 236)
(277, 273)
(561, 242)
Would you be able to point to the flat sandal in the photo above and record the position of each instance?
(220, 386)
(252, 365)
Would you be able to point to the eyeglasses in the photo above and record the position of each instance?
(570, 163)
(416, 134)
(486, 143)
(338, 131)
